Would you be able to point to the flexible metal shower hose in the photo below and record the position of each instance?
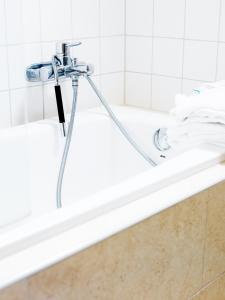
(67, 145)
(70, 131)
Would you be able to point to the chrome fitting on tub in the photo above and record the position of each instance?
(160, 139)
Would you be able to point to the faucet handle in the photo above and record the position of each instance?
(64, 48)
(73, 44)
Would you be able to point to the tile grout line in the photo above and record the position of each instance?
(152, 56)
(50, 82)
(7, 62)
(218, 39)
(63, 40)
(108, 73)
(100, 42)
(111, 35)
(42, 54)
(173, 38)
(169, 76)
(183, 53)
(125, 51)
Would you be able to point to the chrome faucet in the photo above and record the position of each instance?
(62, 65)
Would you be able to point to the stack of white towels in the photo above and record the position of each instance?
(200, 117)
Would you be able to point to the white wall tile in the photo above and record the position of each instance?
(169, 18)
(86, 96)
(138, 90)
(112, 54)
(56, 20)
(67, 95)
(50, 108)
(85, 18)
(139, 17)
(18, 108)
(19, 58)
(5, 111)
(4, 69)
(189, 85)
(222, 22)
(27, 105)
(164, 90)
(48, 49)
(139, 54)
(167, 56)
(221, 62)
(14, 21)
(2, 23)
(31, 21)
(112, 17)
(200, 60)
(112, 88)
(23, 21)
(34, 96)
(202, 19)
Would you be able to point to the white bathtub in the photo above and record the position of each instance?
(107, 186)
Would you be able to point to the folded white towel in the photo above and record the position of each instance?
(196, 133)
(212, 101)
(200, 117)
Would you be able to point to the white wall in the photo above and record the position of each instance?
(29, 30)
(172, 46)
(145, 50)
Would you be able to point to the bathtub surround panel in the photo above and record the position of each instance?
(186, 46)
(213, 291)
(165, 257)
(28, 33)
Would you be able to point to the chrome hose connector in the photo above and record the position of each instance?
(160, 139)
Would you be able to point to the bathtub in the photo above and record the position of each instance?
(107, 186)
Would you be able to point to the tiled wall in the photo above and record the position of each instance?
(164, 47)
(29, 30)
(171, 47)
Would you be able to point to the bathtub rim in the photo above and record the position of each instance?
(136, 187)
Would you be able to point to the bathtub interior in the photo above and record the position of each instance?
(99, 158)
